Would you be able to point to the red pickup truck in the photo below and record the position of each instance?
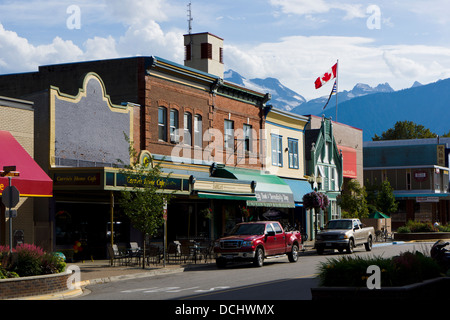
(253, 241)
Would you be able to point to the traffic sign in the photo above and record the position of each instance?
(11, 213)
(10, 196)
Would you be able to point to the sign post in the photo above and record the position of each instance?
(10, 198)
(165, 230)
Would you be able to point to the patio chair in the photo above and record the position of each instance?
(186, 251)
(153, 254)
(135, 251)
(173, 251)
(115, 254)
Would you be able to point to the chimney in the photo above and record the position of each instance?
(204, 51)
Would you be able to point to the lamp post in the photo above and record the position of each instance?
(312, 179)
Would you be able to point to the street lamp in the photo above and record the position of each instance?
(318, 180)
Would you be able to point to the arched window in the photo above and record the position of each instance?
(187, 128)
(162, 123)
(198, 130)
(173, 126)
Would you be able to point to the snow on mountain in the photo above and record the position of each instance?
(282, 97)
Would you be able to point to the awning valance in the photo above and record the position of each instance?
(270, 190)
(32, 180)
(349, 162)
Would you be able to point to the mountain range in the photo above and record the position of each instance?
(372, 109)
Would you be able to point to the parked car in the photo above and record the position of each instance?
(254, 241)
(344, 234)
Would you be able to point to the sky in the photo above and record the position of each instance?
(295, 41)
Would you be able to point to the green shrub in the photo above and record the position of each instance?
(444, 228)
(351, 271)
(403, 229)
(28, 262)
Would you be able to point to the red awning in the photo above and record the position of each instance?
(32, 181)
(349, 161)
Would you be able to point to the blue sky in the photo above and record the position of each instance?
(380, 41)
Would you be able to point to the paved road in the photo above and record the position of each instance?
(278, 279)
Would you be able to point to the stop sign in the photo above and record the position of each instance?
(10, 196)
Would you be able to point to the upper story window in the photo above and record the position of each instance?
(173, 126)
(187, 128)
(293, 153)
(162, 123)
(229, 134)
(247, 137)
(187, 52)
(206, 50)
(277, 146)
(198, 130)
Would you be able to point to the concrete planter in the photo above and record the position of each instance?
(33, 286)
(421, 236)
(436, 288)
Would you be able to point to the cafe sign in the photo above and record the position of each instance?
(76, 179)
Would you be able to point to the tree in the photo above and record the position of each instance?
(380, 197)
(405, 130)
(144, 200)
(385, 199)
(353, 200)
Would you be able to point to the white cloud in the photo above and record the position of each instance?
(308, 7)
(19, 55)
(100, 48)
(297, 61)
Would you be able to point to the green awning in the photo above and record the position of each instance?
(270, 190)
(225, 196)
(378, 215)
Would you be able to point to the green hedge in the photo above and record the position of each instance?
(351, 271)
(417, 226)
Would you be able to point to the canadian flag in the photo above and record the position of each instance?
(330, 74)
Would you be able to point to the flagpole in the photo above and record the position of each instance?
(337, 82)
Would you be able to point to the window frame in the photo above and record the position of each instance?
(228, 137)
(293, 157)
(174, 125)
(198, 130)
(277, 149)
(187, 128)
(162, 123)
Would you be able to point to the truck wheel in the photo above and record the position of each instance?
(293, 255)
(350, 246)
(319, 250)
(368, 244)
(221, 263)
(259, 257)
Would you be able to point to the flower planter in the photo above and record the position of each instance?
(421, 236)
(15, 288)
(437, 288)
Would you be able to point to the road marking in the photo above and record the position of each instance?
(248, 286)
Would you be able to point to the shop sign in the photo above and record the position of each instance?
(441, 155)
(427, 199)
(420, 175)
(76, 179)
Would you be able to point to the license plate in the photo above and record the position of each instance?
(328, 244)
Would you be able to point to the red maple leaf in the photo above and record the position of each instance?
(327, 76)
